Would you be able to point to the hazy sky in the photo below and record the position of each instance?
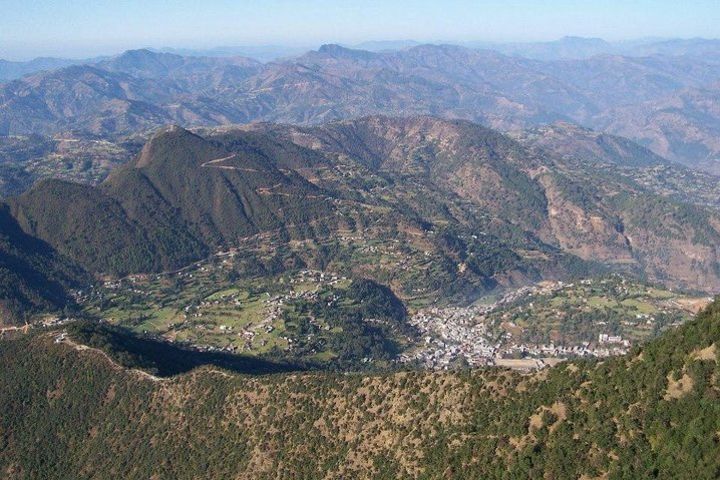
(89, 27)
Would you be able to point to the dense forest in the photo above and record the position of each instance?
(73, 412)
(33, 277)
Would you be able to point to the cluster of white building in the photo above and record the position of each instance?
(462, 335)
(451, 335)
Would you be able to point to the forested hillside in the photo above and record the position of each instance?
(33, 277)
(182, 198)
(74, 411)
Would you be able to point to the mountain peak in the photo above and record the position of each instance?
(331, 48)
(173, 129)
(144, 62)
(136, 52)
(338, 51)
(168, 141)
(167, 132)
(145, 53)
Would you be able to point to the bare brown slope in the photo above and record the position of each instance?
(592, 215)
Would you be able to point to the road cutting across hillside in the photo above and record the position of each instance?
(212, 164)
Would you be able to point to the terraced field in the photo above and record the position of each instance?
(301, 315)
(573, 313)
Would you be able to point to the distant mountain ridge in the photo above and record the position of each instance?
(10, 70)
(683, 125)
(657, 100)
(578, 48)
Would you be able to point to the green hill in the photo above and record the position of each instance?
(74, 413)
(174, 204)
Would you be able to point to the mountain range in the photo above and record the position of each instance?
(10, 70)
(665, 102)
(574, 48)
(485, 210)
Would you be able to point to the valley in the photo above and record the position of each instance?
(207, 308)
(537, 326)
(265, 240)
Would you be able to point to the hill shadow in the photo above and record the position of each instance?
(165, 359)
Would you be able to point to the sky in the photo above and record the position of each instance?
(82, 28)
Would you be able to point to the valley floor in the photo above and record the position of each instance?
(280, 316)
